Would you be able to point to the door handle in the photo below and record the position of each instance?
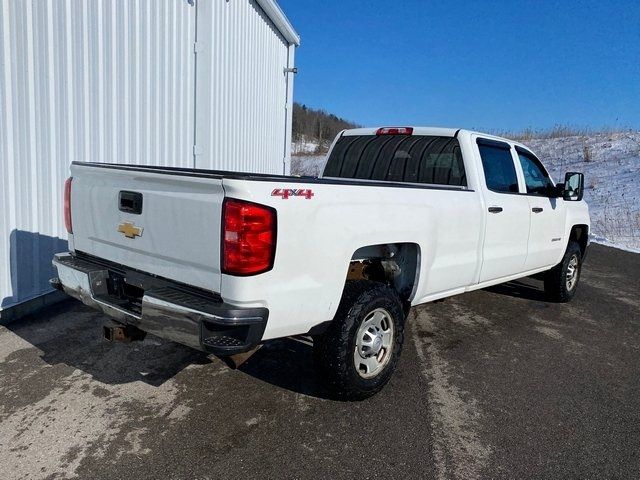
(537, 209)
(130, 202)
(495, 209)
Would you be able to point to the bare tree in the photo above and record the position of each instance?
(317, 126)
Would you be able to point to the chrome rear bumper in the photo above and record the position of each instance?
(167, 310)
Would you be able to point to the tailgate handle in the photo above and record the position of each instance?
(130, 202)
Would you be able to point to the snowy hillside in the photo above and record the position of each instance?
(308, 165)
(611, 166)
(305, 146)
(610, 163)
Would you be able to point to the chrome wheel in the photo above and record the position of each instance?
(573, 269)
(374, 343)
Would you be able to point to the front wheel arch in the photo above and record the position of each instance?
(580, 234)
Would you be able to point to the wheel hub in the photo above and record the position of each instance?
(572, 272)
(374, 342)
(377, 343)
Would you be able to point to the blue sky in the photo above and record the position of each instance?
(476, 64)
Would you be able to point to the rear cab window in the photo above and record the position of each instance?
(434, 160)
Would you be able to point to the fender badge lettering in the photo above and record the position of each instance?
(285, 193)
(129, 230)
(556, 239)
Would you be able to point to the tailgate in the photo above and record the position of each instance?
(164, 223)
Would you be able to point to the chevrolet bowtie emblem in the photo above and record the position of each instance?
(130, 230)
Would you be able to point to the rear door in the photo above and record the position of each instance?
(547, 213)
(507, 226)
(167, 224)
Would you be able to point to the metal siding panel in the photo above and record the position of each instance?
(83, 80)
(7, 176)
(289, 117)
(104, 80)
(241, 89)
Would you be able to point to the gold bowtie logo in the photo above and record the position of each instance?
(130, 230)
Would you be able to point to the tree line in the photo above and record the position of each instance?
(317, 126)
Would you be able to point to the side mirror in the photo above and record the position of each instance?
(573, 187)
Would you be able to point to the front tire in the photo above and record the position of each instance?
(561, 282)
(358, 353)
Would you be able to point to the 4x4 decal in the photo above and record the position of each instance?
(285, 193)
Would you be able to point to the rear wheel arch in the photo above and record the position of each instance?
(378, 264)
(394, 264)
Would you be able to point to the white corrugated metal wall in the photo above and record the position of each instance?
(113, 81)
(234, 39)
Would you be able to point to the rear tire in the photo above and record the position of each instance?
(358, 353)
(561, 282)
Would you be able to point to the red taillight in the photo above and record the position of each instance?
(67, 205)
(248, 237)
(395, 131)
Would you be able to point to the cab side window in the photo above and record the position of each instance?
(499, 169)
(535, 177)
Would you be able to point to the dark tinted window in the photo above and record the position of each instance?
(398, 158)
(499, 170)
(536, 179)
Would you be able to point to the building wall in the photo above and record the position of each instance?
(115, 81)
(241, 89)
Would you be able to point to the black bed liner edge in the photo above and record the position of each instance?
(265, 177)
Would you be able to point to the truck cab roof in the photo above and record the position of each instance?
(434, 131)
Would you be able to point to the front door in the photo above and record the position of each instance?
(546, 235)
(507, 227)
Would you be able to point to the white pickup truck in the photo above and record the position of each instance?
(224, 261)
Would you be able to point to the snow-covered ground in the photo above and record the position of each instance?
(305, 146)
(611, 166)
(308, 165)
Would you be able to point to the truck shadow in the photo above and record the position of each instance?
(287, 363)
(71, 334)
(528, 289)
